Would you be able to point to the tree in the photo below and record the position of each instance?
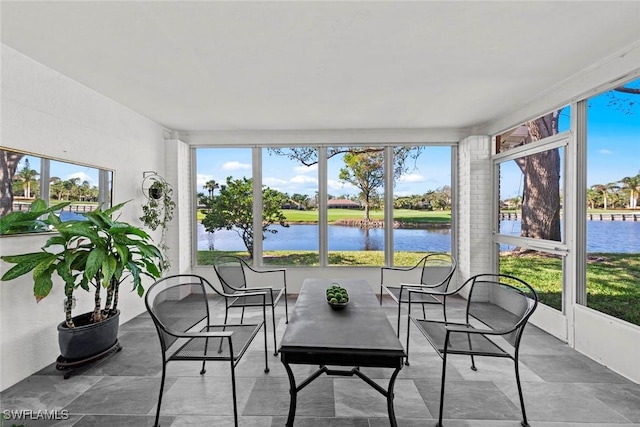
(308, 156)
(365, 172)
(541, 191)
(27, 176)
(632, 185)
(211, 187)
(232, 209)
(8, 164)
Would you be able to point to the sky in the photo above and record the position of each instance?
(430, 171)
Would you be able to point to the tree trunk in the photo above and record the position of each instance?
(541, 193)
(8, 165)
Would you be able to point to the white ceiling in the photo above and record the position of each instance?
(209, 65)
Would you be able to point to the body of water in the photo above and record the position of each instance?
(602, 236)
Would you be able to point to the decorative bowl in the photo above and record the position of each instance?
(337, 296)
(338, 305)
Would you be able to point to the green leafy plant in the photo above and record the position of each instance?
(95, 253)
(158, 211)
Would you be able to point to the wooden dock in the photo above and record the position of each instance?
(635, 217)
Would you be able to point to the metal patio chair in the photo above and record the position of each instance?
(497, 309)
(232, 273)
(181, 314)
(434, 271)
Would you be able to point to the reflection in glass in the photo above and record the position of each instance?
(25, 177)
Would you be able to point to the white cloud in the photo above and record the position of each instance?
(335, 185)
(605, 151)
(232, 166)
(274, 182)
(83, 177)
(412, 178)
(301, 179)
(202, 179)
(305, 169)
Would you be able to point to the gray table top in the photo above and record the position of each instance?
(362, 326)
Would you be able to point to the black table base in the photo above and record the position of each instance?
(295, 389)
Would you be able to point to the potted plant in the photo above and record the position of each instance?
(97, 254)
(158, 210)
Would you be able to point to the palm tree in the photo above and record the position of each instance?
(211, 186)
(592, 197)
(27, 176)
(632, 185)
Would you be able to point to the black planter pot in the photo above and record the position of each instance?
(155, 193)
(89, 341)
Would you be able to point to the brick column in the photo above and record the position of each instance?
(474, 206)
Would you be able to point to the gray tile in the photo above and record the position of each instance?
(205, 395)
(139, 340)
(129, 362)
(561, 402)
(271, 397)
(562, 388)
(42, 419)
(324, 422)
(622, 398)
(572, 368)
(355, 398)
(121, 420)
(477, 400)
(46, 392)
(209, 421)
(119, 396)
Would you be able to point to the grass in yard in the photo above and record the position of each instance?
(613, 281)
(404, 215)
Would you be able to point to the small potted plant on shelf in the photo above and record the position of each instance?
(97, 253)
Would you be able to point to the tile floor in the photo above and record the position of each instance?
(561, 388)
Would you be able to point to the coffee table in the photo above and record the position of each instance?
(359, 335)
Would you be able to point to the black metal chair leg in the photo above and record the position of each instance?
(286, 307)
(524, 422)
(164, 374)
(444, 370)
(273, 321)
(233, 391)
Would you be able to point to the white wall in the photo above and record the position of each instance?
(609, 341)
(46, 113)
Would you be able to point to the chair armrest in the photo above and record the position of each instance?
(427, 291)
(253, 293)
(219, 334)
(469, 329)
(272, 271)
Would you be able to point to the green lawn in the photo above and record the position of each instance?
(406, 215)
(613, 280)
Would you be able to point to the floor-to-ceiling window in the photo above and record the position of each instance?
(613, 206)
(324, 205)
(224, 188)
(422, 200)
